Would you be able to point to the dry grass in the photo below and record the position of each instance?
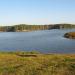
(42, 64)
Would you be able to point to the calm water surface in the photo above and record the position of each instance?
(44, 41)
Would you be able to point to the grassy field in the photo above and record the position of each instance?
(34, 63)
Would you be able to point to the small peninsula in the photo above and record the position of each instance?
(70, 35)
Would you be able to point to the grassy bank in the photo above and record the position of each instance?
(34, 63)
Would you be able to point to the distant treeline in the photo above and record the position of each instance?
(24, 27)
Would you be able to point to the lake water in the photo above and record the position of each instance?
(44, 41)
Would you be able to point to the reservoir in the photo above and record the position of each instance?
(46, 41)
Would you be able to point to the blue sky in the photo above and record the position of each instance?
(36, 11)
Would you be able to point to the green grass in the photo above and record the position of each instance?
(12, 63)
